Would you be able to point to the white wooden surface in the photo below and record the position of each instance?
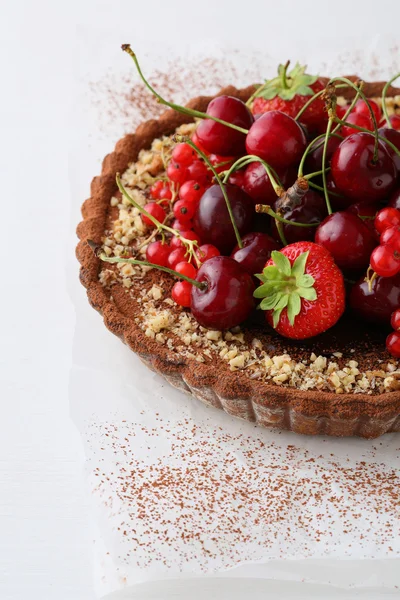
(45, 540)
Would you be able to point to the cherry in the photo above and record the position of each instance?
(191, 191)
(237, 178)
(221, 163)
(378, 304)
(199, 172)
(227, 299)
(158, 253)
(276, 138)
(184, 211)
(341, 110)
(207, 251)
(393, 344)
(361, 108)
(312, 210)
(314, 157)
(184, 154)
(395, 320)
(395, 121)
(176, 256)
(257, 185)
(196, 141)
(256, 251)
(212, 221)
(387, 217)
(385, 261)
(366, 210)
(348, 240)
(181, 293)
(394, 200)
(221, 139)
(356, 174)
(391, 237)
(360, 119)
(156, 189)
(176, 172)
(156, 211)
(393, 136)
(186, 268)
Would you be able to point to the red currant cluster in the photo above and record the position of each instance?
(393, 339)
(385, 259)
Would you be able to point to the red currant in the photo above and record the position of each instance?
(184, 154)
(393, 344)
(199, 172)
(191, 191)
(385, 261)
(176, 256)
(184, 211)
(395, 121)
(158, 253)
(179, 226)
(188, 235)
(395, 320)
(356, 119)
(387, 217)
(156, 211)
(391, 237)
(207, 251)
(156, 189)
(165, 193)
(186, 268)
(196, 142)
(221, 163)
(181, 293)
(361, 108)
(176, 172)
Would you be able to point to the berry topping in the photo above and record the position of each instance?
(395, 320)
(387, 217)
(181, 293)
(227, 299)
(158, 253)
(393, 344)
(257, 248)
(376, 300)
(302, 290)
(156, 211)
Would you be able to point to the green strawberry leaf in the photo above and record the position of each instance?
(288, 84)
(308, 294)
(294, 307)
(281, 262)
(270, 302)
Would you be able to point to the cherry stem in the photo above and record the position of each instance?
(384, 107)
(144, 263)
(182, 109)
(250, 158)
(324, 152)
(321, 189)
(313, 147)
(181, 138)
(264, 208)
(371, 112)
(311, 100)
(284, 74)
(189, 244)
(380, 137)
(293, 195)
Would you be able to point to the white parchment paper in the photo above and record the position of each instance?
(184, 491)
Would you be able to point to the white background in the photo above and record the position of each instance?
(45, 541)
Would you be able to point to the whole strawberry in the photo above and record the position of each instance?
(289, 92)
(302, 290)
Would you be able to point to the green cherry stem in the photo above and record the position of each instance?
(250, 158)
(144, 263)
(324, 152)
(380, 137)
(371, 112)
(182, 109)
(384, 107)
(312, 145)
(188, 141)
(311, 100)
(321, 189)
(264, 208)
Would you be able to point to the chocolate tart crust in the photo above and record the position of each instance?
(308, 412)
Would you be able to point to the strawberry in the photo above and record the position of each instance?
(302, 289)
(289, 92)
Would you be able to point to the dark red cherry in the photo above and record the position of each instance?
(355, 173)
(312, 209)
(256, 251)
(314, 157)
(378, 304)
(221, 139)
(394, 200)
(276, 138)
(366, 210)
(257, 184)
(360, 119)
(393, 136)
(212, 221)
(228, 299)
(348, 240)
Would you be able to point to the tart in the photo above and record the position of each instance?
(342, 382)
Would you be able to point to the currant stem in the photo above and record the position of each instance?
(264, 208)
(182, 109)
(371, 112)
(218, 179)
(326, 194)
(384, 107)
(145, 263)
